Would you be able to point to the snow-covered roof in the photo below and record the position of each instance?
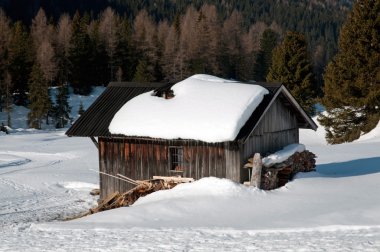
(204, 108)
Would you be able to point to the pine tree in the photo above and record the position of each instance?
(125, 57)
(352, 79)
(80, 56)
(143, 72)
(291, 67)
(20, 60)
(62, 109)
(264, 57)
(40, 103)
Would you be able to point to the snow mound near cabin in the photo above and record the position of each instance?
(204, 108)
(210, 187)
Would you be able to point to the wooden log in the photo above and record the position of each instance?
(174, 179)
(256, 171)
(132, 181)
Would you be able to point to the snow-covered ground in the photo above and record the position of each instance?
(46, 177)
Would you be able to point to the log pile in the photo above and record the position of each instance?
(143, 187)
(279, 174)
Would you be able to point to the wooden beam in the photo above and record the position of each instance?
(95, 142)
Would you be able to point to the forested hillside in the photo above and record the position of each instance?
(320, 20)
(85, 43)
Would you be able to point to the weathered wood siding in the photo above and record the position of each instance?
(142, 159)
(277, 129)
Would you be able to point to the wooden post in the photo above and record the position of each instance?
(256, 171)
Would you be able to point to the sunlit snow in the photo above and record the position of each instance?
(203, 108)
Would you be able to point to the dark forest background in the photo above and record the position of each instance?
(83, 43)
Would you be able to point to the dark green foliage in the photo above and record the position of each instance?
(291, 67)
(143, 73)
(40, 102)
(352, 79)
(62, 108)
(20, 60)
(80, 56)
(264, 57)
(125, 58)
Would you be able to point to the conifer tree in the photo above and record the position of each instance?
(143, 72)
(62, 109)
(40, 102)
(264, 57)
(291, 67)
(125, 57)
(352, 79)
(20, 60)
(80, 56)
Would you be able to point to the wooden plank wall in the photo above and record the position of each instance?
(143, 159)
(277, 129)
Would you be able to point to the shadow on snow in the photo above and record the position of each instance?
(351, 168)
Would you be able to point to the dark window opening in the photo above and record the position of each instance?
(176, 159)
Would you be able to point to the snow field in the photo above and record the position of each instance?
(46, 177)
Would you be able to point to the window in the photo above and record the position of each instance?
(176, 159)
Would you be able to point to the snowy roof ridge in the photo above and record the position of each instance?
(204, 107)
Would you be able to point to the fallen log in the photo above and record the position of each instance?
(142, 188)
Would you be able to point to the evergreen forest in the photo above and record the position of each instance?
(82, 43)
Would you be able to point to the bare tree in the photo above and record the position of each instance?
(40, 29)
(251, 40)
(45, 56)
(108, 26)
(232, 39)
(146, 42)
(172, 61)
(64, 33)
(42, 35)
(208, 39)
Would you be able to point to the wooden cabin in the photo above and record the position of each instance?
(274, 124)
